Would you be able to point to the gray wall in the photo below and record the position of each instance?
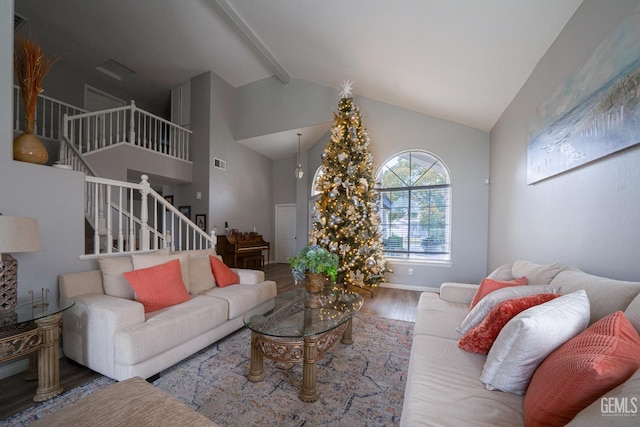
(586, 217)
(270, 107)
(66, 83)
(53, 196)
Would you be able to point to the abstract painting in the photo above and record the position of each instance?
(595, 112)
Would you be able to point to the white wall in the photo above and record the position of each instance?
(268, 107)
(587, 216)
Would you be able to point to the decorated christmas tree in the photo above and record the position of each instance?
(346, 219)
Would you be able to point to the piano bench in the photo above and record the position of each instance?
(253, 260)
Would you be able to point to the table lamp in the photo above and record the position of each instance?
(17, 234)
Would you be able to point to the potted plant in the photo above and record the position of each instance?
(31, 66)
(315, 264)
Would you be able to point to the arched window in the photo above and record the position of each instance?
(415, 207)
(314, 183)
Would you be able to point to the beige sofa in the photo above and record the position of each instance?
(443, 381)
(109, 332)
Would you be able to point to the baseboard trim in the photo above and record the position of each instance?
(410, 287)
(14, 367)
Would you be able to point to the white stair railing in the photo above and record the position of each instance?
(129, 217)
(101, 129)
(49, 115)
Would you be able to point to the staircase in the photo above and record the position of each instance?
(122, 217)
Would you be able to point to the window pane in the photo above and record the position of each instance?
(415, 201)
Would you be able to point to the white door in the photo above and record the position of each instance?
(285, 232)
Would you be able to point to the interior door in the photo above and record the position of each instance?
(285, 232)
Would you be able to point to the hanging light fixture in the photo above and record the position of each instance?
(299, 172)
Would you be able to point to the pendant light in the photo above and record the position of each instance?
(299, 172)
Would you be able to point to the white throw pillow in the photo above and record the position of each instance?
(484, 306)
(146, 261)
(527, 339)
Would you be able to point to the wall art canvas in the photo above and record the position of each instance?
(595, 112)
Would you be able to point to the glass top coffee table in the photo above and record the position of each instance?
(292, 332)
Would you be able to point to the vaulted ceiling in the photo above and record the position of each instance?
(461, 60)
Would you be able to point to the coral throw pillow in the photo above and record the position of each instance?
(480, 338)
(587, 366)
(489, 285)
(158, 287)
(224, 275)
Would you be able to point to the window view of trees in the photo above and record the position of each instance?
(415, 205)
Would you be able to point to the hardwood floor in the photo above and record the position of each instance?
(16, 394)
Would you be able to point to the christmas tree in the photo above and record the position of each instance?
(346, 219)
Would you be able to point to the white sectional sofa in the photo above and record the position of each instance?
(443, 381)
(108, 331)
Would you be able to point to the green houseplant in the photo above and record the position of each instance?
(314, 259)
(314, 263)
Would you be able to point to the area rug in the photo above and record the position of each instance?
(360, 384)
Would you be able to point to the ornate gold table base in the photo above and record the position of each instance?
(309, 350)
(41, 343)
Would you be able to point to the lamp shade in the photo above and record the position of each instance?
(18, 234)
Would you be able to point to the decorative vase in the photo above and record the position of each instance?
(314, 286)
(27, 147)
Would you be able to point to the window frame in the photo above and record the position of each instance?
(443, 256)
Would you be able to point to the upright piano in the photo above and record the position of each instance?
(243, 250)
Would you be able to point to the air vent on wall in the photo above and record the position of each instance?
(18, 21)
(219, 164)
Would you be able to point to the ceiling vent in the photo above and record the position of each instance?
(18, 22)
(114, 69)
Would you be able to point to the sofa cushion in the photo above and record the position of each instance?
(598, 289)
(223, 274)
(536, 274)
(443, 389)
(438, 317)
(113, 281)
(503, 273)
(200, 275)
(168, 328)
(603, 410)
(527, 339)
(242, 297)
(159, 286)
(112, 268)
(591, 364)
(633, 313)
(482, 309)
(488, 285)
(480, 338)
(152, 260)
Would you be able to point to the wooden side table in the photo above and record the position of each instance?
(33, 328)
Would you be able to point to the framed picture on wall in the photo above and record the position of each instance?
(169, 199)
(201, 221)
(185, 210)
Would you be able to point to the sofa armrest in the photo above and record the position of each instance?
(458, 292)
(72, 285)
(90, 326)
(249, 277)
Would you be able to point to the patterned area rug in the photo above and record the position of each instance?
(360, 384)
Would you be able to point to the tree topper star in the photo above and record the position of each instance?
(345, 89)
